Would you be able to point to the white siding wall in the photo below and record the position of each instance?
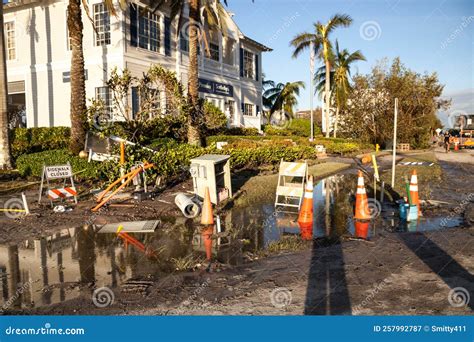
(43, 57)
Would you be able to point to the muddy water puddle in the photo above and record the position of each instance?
(73, 262)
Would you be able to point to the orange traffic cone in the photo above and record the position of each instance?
(305, 217)
(361, 229)
(207, 218)
(414, 191)
(456, 147)
(362, 211)
(306, 231)
(206, 236)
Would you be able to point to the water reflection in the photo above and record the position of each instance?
(71, 262)
(68, 264)
(332, 207)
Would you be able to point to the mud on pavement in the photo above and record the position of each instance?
(261, 265)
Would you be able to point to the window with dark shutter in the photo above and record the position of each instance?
(135, 102)
(256, 67)
(167, 36)
(133, 25)
(241, 62)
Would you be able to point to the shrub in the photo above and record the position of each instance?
(298, 127)
(267, 155)
(172, 160)
(32, 164)
(240, 131)
(144, 132)
(37, 139)
(215, 120)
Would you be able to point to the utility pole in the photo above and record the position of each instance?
(311, 72)
(394, 141)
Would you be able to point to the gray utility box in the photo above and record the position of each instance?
(213, 171)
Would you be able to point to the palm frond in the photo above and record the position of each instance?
(338, 20)
(301, 42)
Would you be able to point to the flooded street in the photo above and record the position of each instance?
(72, 263)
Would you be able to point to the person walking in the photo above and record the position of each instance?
(447, 136)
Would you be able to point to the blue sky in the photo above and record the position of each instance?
(428, 35)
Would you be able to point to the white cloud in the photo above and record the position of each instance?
(462, 101)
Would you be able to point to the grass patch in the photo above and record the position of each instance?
(287, 243)
(187, 263)
(262, 188)
(427, 175)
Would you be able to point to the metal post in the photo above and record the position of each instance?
(25, 203)
(394, 141)
(382, 190)
(311, 69)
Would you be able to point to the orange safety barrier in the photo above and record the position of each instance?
(122, 153)
(128, 178)
(131, 240)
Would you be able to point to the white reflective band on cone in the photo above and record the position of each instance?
(413, 187)
(360, 181)
(414, 179)
(361, 190)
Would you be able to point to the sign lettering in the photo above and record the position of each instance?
(58, 171)
(211, 87)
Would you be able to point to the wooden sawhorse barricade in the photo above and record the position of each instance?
(291, 182)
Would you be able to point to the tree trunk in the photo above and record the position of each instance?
(194, 118)
(5, 158)
(327, 98)
(78, 81)
(335, 121)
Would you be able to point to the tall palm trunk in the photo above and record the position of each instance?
(327, 97)
(5, 159)
(335, 121)
(194, 122)
(78, 81)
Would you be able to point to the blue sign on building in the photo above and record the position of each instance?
(216, 88)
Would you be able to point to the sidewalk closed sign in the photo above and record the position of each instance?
(60, 191)
(58, 171)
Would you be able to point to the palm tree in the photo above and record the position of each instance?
(5, 157)
(267, 104)
(202, 13)
(339, 78)
(342, 74)
(322, 49)
(284, 96)
(78, 81)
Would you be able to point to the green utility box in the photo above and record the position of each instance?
(213, 171)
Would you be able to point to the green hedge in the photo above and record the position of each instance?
(37, 139)
(32, 164)
(172, 160)
(333, 145)
(297, 127)
(240, 131)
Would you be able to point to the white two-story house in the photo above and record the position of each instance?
(39, 58)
